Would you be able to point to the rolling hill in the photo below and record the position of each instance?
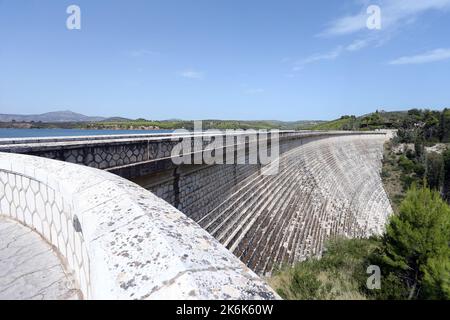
(56, 116)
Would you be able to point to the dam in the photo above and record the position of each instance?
(127, 222)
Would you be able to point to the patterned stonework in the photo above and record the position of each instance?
(325, 187)
(328, 185)
(41, 206)
(117, 239)
(110, 152)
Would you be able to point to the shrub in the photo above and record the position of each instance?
(406, 164)
(419, 170)
(415, 247)
(435, 170)
(446, 186)
(339, 274)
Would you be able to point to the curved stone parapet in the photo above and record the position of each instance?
(117, 239)
(327, 185)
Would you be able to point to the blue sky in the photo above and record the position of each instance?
(224, 59)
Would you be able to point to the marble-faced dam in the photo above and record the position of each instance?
(113, 217)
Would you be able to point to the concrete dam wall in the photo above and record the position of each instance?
(326, 187)
(112, 238)
(120, 240)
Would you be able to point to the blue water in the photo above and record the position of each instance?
(27, 133)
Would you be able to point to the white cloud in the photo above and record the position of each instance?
(347, 24)
(358, 45)
(324, 56)
(331, 55)
(192, 74)
(427, 57)
(392, 13)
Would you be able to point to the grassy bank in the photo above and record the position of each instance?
(339, 274)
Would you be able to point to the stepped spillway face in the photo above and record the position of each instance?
(325, 187)
(118, 240)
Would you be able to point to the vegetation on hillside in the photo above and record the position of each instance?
(343, 123)
(376, 120)
(415, 248)
(118, 123)
(143, 124)
(339, 274)
(425, 127)
(433, 126)
(206, 124)
(420, 154)
(413, 256)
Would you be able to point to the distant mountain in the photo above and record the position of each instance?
(56, 116)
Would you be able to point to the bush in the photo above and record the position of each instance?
(419, 170)
(446, 186)
(415, 247)
(407, 181)
(435, 171)
(406, 164)
(385, 173)
(339, 274)
(444, 125)
(413, 255)
(304, 285)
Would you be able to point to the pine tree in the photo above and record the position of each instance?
(416, 245)
(444, 125)
(435, 170)
(446, 187)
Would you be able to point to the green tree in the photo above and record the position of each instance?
(415, 113)
(419, 148)
(446, 187)
(435, 170)
(416, 245)
(431, 127)
(444, 125)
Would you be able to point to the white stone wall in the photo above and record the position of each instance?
(119, 240)
(200, 189)
(326, 187)
(116, 152)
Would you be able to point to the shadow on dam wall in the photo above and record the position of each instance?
(326, 186)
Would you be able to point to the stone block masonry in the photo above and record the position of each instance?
(129, 156)
(118, 240)
(328, 185)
